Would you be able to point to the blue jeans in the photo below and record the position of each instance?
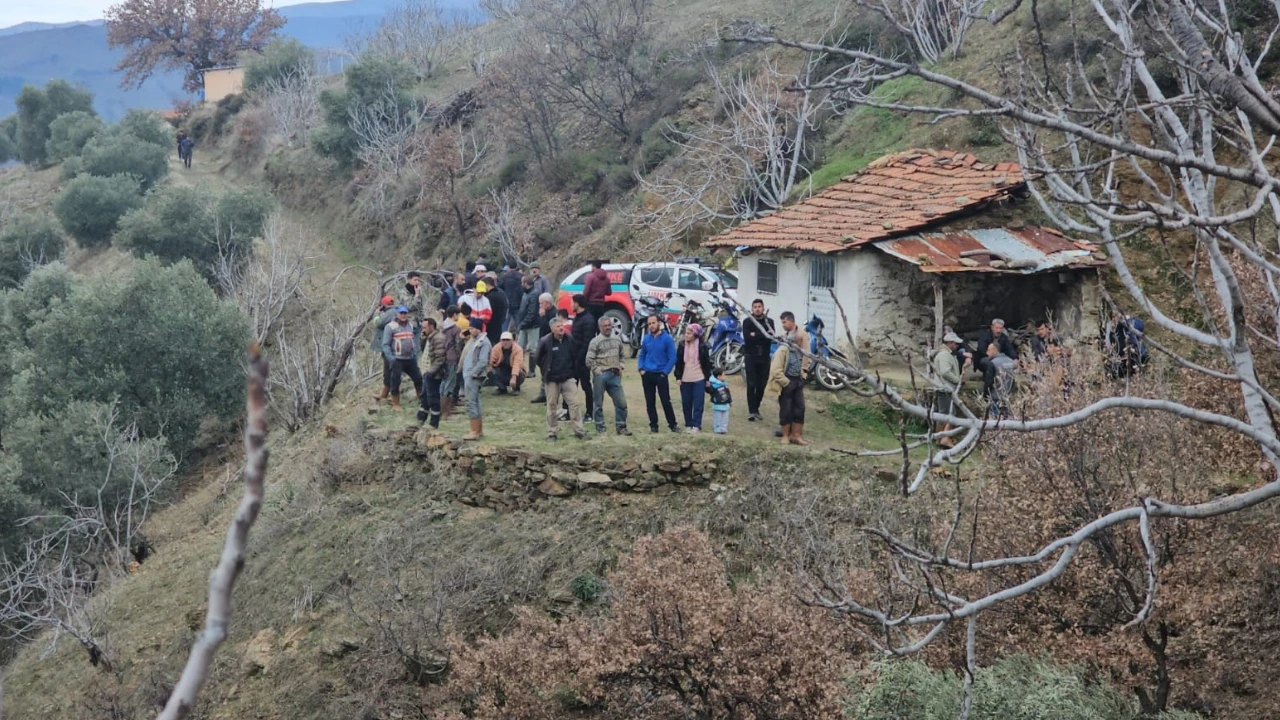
(473, 397)
(693, 396)
(611, 383)
(720, 420)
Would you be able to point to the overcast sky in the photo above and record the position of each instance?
(13, 12)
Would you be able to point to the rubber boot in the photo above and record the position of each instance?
(395, 402)
(382, 395)
(446, 408)
(797, 434)
(786, 434)
(477, 430)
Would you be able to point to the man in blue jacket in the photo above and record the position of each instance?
(657, 358)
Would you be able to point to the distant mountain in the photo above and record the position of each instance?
(34, 53)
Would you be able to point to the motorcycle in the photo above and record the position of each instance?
(819, 346)
(726, 340)
(646, 306)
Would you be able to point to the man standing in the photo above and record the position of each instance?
(386, 313)
(786, 373)
(584, 329)
(512, 283)
(479, 304)
(400, 348)
(452, 329)
(595, 288)
(452, 293)
(411, 296)
(499, 303)
(506, 364)
(475, 365)
(526, 319)
(656, 360)
(604, 360)
(947, 368)
(546, 314)
(757, 340)
(555, 360)
(540, 281)
(434, 372)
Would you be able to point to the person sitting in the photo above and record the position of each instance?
(506, 365)
(1045, 344)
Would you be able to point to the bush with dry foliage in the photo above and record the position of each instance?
(678, 642)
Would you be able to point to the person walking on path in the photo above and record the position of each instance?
(433, 372)
(400, 347)
(947, 368)
(721, 400)
(475, 365)
(604, 360)
(386, 314)
(186, 147)
(540, 281)
(584, 329)
(596, 287)
(558, 367)
(506, 364)
(693, 367)
(657, 359)
(526, 320)
(786, 374)
(757, 341)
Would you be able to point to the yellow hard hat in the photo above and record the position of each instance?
(481, 287)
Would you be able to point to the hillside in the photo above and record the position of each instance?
(398, 573)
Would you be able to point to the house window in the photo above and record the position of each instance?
(767, 277)
(822, 272)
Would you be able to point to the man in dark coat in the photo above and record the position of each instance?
(994, 335)
(595, 288)
(584, 329)
(501, 308)
(510, 281)
(757, 335)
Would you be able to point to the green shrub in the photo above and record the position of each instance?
(8, 151)
(156, 341)
(182, 223)
(282, 58)
(37, 109)
(25, 242)
(587, 587)
(655, 147)
(1015, 688)
(71, 167)
(120, 153)
(68, 134)
(147, 126)
(367, 85)
(90, 207)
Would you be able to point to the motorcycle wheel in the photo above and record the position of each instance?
(730, 357)
(830, 379)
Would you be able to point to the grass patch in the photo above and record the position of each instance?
(868, 133)
(871, 417)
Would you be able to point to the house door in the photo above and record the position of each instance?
(822, 281)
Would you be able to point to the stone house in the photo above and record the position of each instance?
(917, 240)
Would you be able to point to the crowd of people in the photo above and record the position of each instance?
(501, 329)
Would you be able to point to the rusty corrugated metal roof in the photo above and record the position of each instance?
(895, 194)
(1023, 251)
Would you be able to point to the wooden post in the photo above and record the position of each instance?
(937, 313)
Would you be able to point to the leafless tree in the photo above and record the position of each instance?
(418, 32)
(292, 102)
(265, 287)
(222, 580)
(1115, 155)
(310, 361)
(392, 140)
(588, 55)
(745, 163)
(500, 218)
(933, 26)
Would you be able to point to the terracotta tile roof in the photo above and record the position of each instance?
(892, 196)
(1023, 251)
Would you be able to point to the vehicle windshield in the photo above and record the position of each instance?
(727, 280)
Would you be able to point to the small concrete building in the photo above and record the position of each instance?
(221, 82)
(918, 240)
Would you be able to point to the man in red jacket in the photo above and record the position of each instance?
(596, 287)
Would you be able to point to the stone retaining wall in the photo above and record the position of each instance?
(510, 478)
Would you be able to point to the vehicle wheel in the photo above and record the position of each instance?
(830, 379)
(621, 322)
(730, 358)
